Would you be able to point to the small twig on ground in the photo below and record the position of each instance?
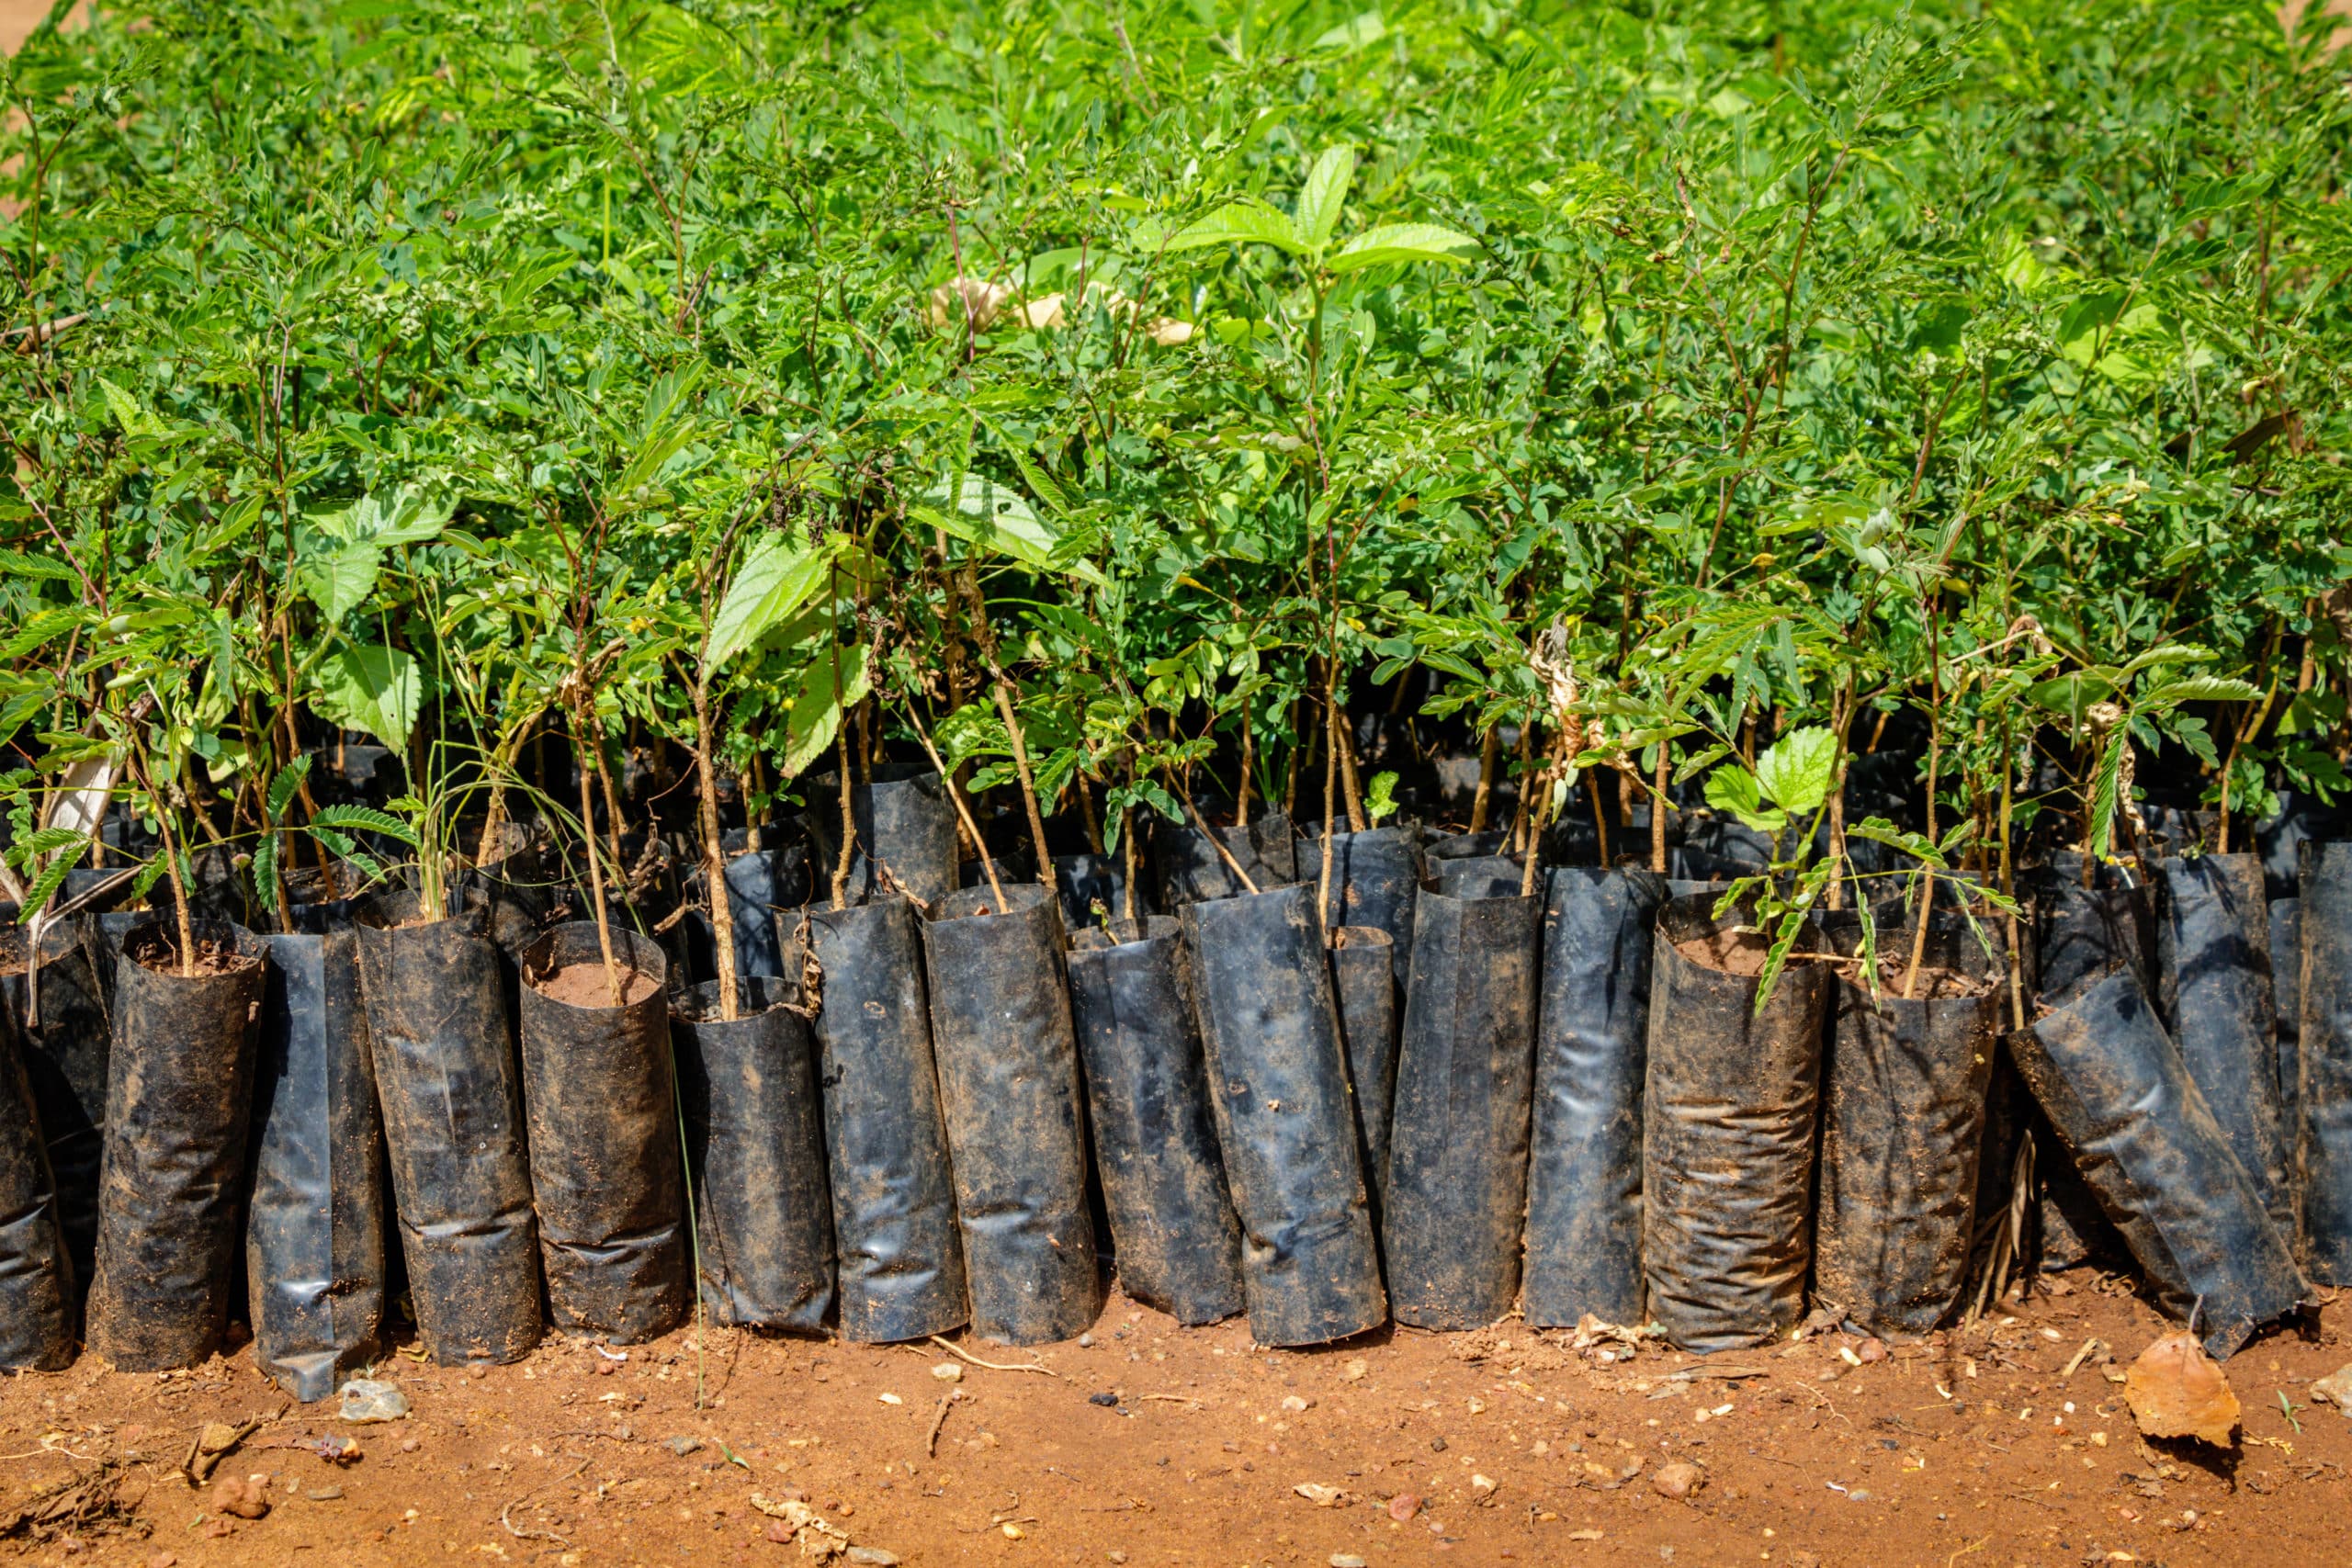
(962, 1355)
(537, 1535)
(1171, 1398)
(2072, 1367)
(938, 1419)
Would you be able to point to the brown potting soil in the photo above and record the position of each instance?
(1732, 951)
(1934, 984)
(1398, 1447)
(683, 1009)
(161, 954)
(583, 986)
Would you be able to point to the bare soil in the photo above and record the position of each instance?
(161, 954)
(583, 986)
(1504, 1446)
(1935, 983)
(1732, 951)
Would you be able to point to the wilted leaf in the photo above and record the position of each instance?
(2175, 1390)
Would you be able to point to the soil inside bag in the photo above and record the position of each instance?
(2323, 1137)
(1584, 1179)
(37, 1297)
(1172, 1225)
(451, 1092)
(901, 1257)
(755, 1151)
(171, 1193)
(1903, 1122)
(606, 1180)
(1009, 1085)
(1458, 1135)
(64, 1039)
(906, 835)
(314, 1237)
(1730, 1099)
(1375, 881)
(1365, 990)
(2113, 1085)
(2215, 994)
(1190, 869)
(1279, 1085)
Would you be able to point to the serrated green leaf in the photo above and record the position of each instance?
(782, 573)
(1797, 771)
(16, 563)
(1239, 224)
(51, 878)
(367, 687)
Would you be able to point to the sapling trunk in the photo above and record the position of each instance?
(1356, 822)
(1128, 843)
(714, 857)
(1490, 762)
(588, 757)
(1003, 683)
(172, 870)
(1600, 817)
(1086, 811)
(1658, 807)
(1241, 794)
(1526, 769)
(849, 821)
(612, 804)
(963, 811)
(1225, 852)
(1330, 786)
(1935, 761)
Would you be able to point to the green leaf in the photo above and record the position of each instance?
(1733, 790)
(16, 563)
(2194, 689)
(817, 708)
(1797, 769)
(136, 422)
(338, 580)
(378, 690)
(1239, 224)
(1348, 36)
(264, 867)
(2110, 771)
(409, 515)
(365, 818)
(1381, 798)
(998, 517)
(1403, 242)
(782, 573)
(288, 782)
(51, 878)
(1324, 193)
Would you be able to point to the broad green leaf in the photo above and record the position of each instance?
(817, 708)
(1324, 193)
(408, 515)
(136, 422)
(998, 517)
(1239, 224)
(338, 579)
(378, 690)
(1402, 243)
(2195, 689)
(783, 572)
(1733, 790)
(1797, 769)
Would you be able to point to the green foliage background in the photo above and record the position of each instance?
(1792, 364)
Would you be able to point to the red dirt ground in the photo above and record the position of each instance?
(1521, 1451)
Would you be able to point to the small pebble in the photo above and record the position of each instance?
(1858, 1496)
(1108, 1401)
(681, 1445)
(367, 1399)
(1345, 1560)
(163, 1560)
(1437, 1445)
(948, 1372)
(873, 1557)
(1677, 1480)
(778, 1532)
(478, 1371)
(1295, 1403)
(324, 1493)
(408, 1444)
(1872, 1350)
(1086, 1342)
(1403, 1506)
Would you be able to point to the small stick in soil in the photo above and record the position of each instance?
(962, 1355)
(1219, 844)
(536, 1535)
(938, 1419)
(2075, 1365)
